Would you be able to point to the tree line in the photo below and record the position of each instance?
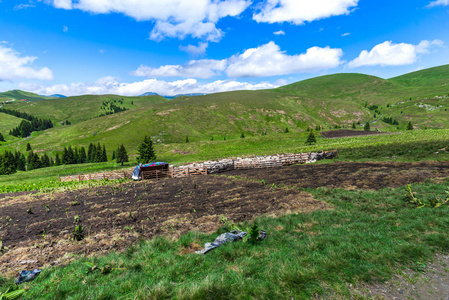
(12, 162)
(28, 125)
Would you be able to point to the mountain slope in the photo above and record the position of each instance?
(19, 95)
(329, 101)
(437, 76)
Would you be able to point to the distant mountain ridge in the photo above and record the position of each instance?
(175, 96)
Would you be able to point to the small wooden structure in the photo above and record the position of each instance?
(155, 171)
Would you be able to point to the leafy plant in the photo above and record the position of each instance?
(253, 234)
(11, 295)
(78, 233)
(410, 197)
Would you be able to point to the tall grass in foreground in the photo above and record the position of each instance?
(367, 236)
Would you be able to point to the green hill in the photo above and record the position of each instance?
(21, 95)
(329, 101)
(437, 76)
(79, 108)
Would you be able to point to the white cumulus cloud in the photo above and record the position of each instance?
(300, 11)
(13, 66)
(172, 18)
(280, 32)
(195, 50)
(110, 85)
(266, 60)
(438, 3)
(203, 68)
(269, 60)
(390, 54)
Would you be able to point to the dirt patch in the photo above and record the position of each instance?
(346, 175)
(38, 229)
(430, 283)
(334, 134)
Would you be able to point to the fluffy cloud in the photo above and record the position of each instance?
(438, 3)
(13, 66)
(390, 54)
(173, 18)
(269, 60)
(110, 85)
(195, 50)
(280, 32)
(204, 68)
(23, 6)
(300, 11)
(263, 61)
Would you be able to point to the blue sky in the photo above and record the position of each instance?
(129, 47)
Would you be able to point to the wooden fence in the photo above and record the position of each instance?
(254, 163)
(98, 176)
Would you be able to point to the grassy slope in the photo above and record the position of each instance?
(7, 123)
(19, 95)
(79, 108)
(326, 100)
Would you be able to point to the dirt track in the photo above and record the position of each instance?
(116, 216)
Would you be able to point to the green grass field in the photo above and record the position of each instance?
(366, 237)
(400, 146)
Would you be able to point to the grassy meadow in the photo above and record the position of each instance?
(365, 237)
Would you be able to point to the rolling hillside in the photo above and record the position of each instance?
(329, 101)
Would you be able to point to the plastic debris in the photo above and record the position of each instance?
(222, 239)
(25, 276)
(262, 235)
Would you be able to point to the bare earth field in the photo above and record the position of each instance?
(334, 134)
(37, 228)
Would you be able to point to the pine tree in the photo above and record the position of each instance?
(2, 139)
(21, 163)
(187, 139)
(104, 156)
(113, 155)
(311, 139)
(366, 127)
(45, 161)
(28, 147)
(353, 125)
(7, 165)
(146, 151)
(122, 155)
(57, 160)
(82, 158)
(286, 130)
(33, 161)
(409, 126)
(98, 153)
(89, 152)
(70, 156)
(242, 136)
(75, 156)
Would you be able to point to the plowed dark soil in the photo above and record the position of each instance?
(345, 175)
(333, 134)
(38, 228)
